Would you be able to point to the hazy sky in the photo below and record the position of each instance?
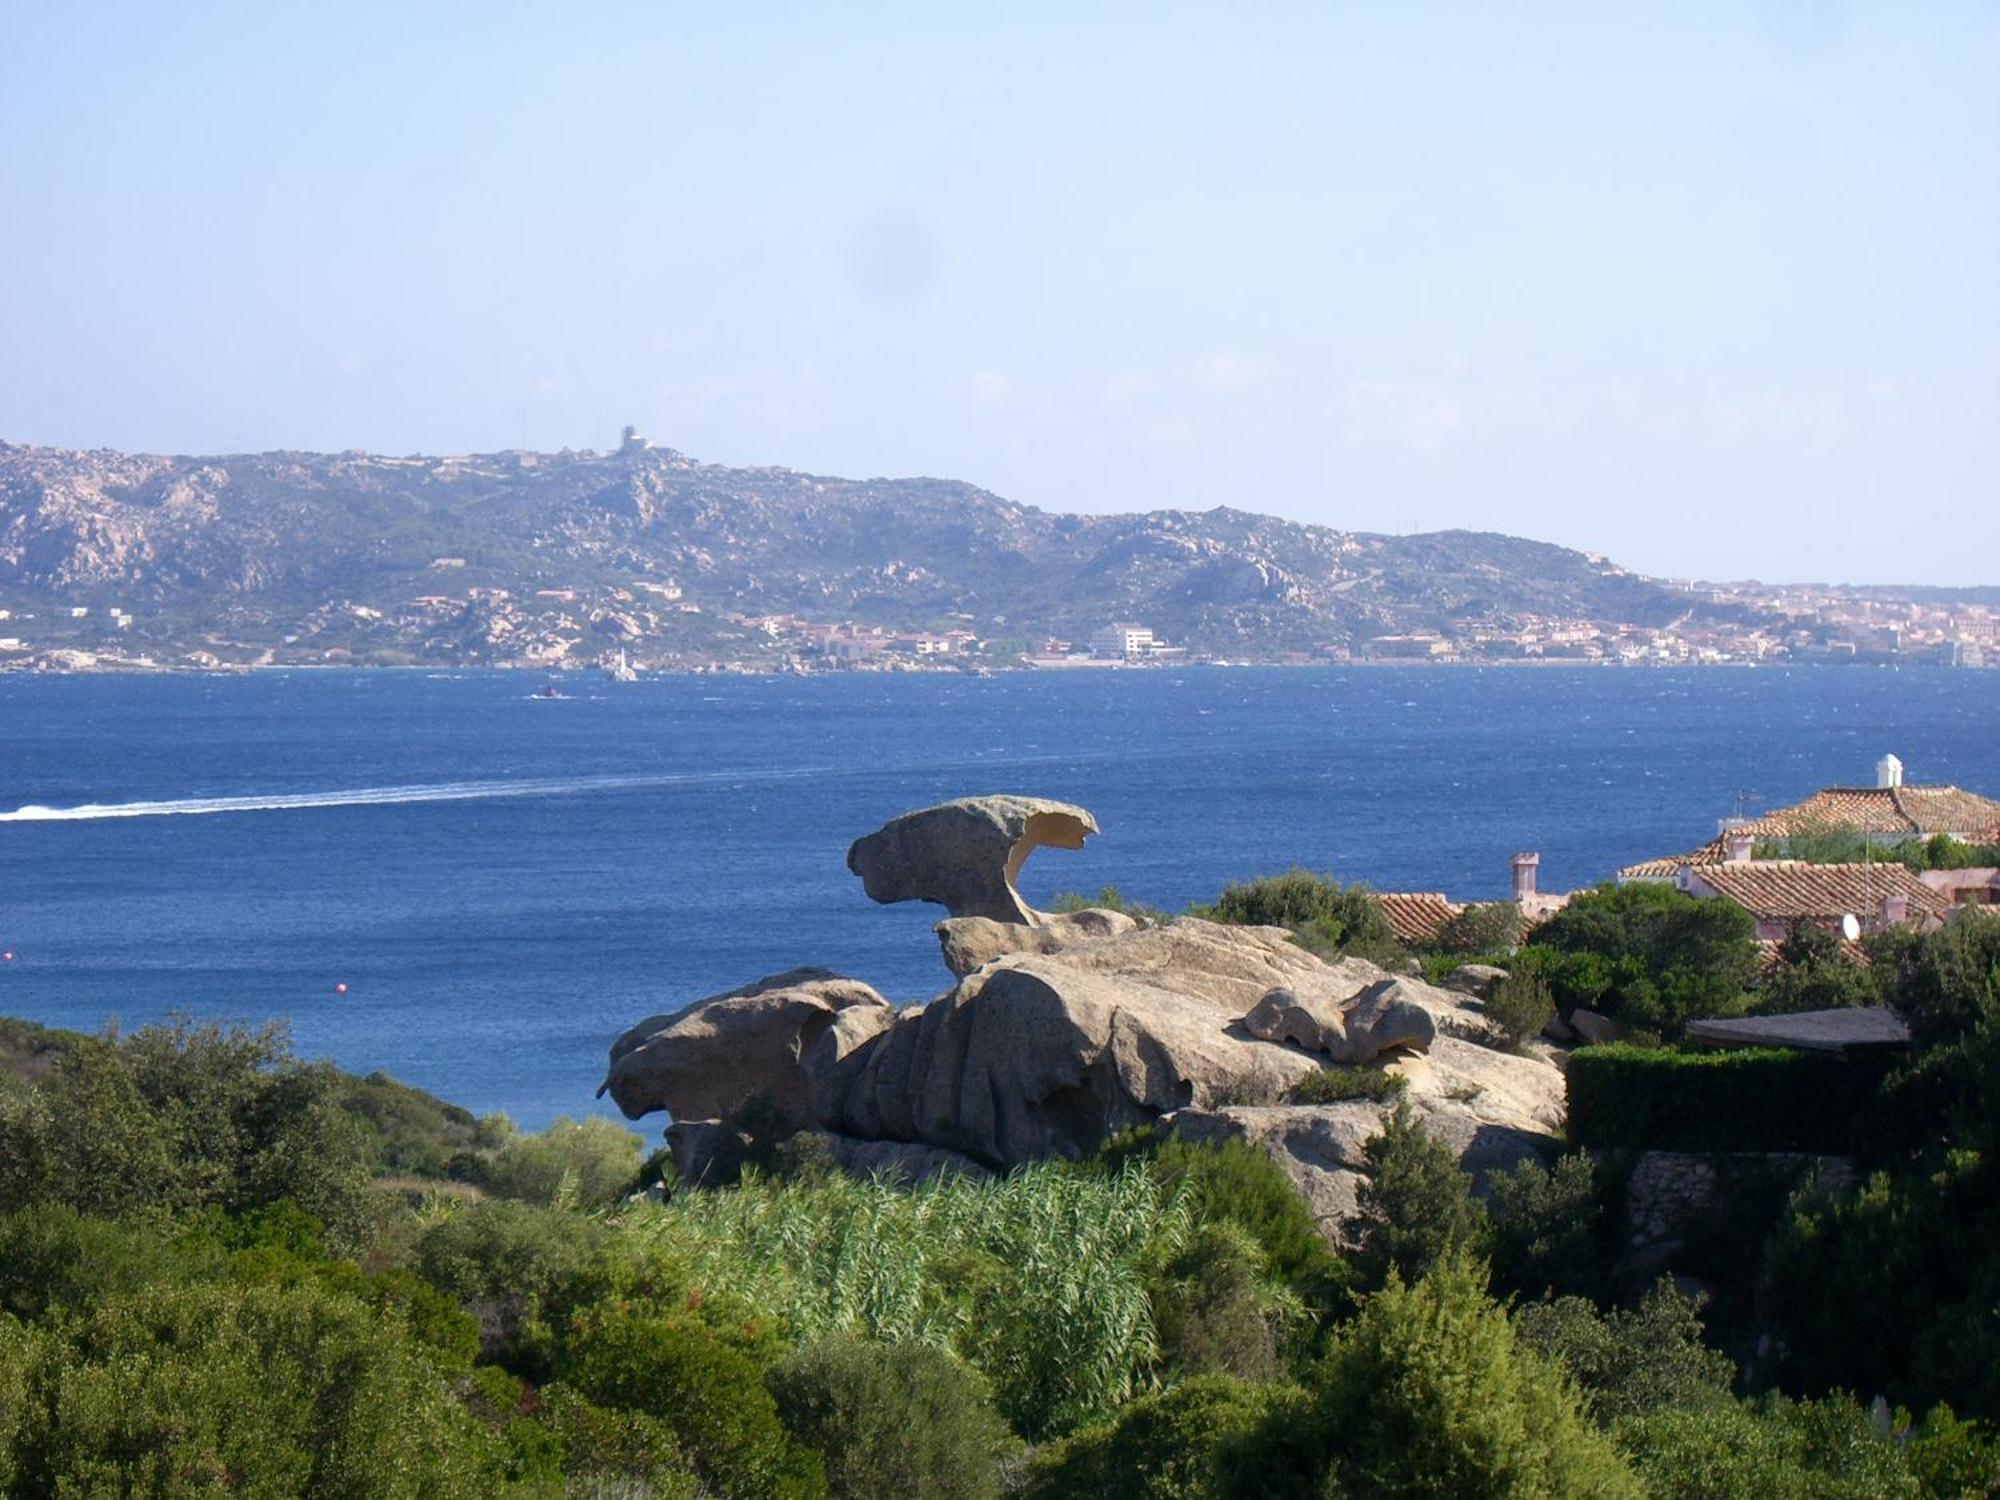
(1712, 288)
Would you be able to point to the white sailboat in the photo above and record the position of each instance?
(623, 671)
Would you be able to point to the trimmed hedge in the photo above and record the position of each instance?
(1756, 1099)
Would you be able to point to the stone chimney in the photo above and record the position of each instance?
(1524, 866)
(1888, 772)
(1895, 909)
(1737, 845)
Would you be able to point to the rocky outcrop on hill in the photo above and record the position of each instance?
(537, 557)
(1062, 1030)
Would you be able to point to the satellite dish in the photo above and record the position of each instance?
(1850, 928)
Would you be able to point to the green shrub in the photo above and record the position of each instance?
(1896, 1287)
(1233, 1182)
(183, 1390)
(53, 1257)
(709, 1393)
(1813, 972)
(1630, 1362)
(892, 1421)
(1416, 1208)
(1323, 915)
(1547, 1227)
(573, 1164)
(1755, 1099)
(1648, 956)
(20, 1356)
(614, 1451)
(519, 1270)
(1482, 928)
(1335, 1085)
(178, 1118)
(1829, 1449)
(1215, 1311)
(1521, 1005)
(1163, 1446)
(408, 1132)
(1428, 1393)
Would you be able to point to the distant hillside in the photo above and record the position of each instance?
(291, 551)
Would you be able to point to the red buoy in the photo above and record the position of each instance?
(7, 957)
(341, 988)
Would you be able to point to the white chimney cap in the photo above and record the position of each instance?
(1888, 772)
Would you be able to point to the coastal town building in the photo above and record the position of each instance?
(1122, 642)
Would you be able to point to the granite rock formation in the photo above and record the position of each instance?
(1062, 1030)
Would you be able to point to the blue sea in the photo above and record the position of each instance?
(503, 884)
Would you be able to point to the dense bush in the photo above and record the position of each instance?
(182, 1390)
(1334, 1085)
(1215, 1310)
(1323, 915)
(1897, 1288)
(1629, 1362)
(1482, 928)
(1647, 955)
(520, 1270)
(1547, 1228)
(891, 1421)
(1164, 1446)
(1520, 1006)
(1236, 1183)
(1415, 1206)
(574, 1163)
(1755, 1099)
(177, 1118)
(408, 1132)
(1829, 1449)
(707, 1389)
(1813, 972)
(1429, 1393)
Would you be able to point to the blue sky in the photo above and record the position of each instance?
(1714, 289)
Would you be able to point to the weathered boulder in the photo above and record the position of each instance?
(1592, 1027)
(970, 943)
(1493, 1110)
(965, 854)
(1477, 980)
(1354, 1028)
(1035, 1056)
(773, 1040)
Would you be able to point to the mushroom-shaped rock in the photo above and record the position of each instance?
(965, 854)
(779, 1040)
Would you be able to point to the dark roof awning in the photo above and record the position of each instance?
(1873, 1028)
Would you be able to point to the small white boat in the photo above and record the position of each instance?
(623, 671)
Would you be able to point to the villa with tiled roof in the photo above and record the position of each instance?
(1779, 892)
(1887, 813)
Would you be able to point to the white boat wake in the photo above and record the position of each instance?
(374, 796)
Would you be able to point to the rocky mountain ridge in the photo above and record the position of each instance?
(298, 553)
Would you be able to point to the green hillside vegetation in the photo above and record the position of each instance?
(223, 1270)
(226, 1270)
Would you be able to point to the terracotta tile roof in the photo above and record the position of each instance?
(1896, 811)
(1905, 811)
(1416, 916)
(1780, 890)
